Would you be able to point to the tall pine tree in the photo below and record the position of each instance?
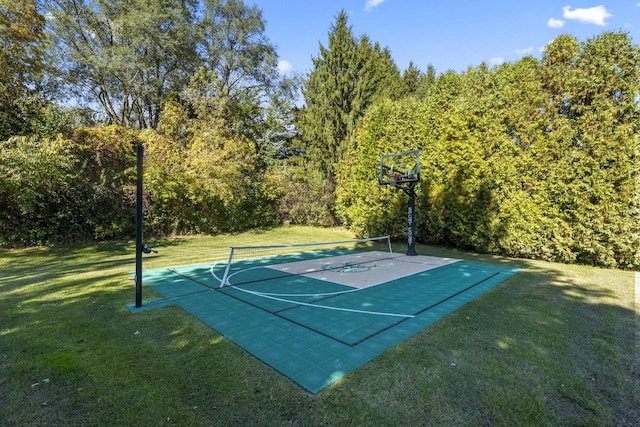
(348, 77)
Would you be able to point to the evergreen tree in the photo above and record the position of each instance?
(534, 159)
(416, 83)
(347, 78)
(328, 93)
(591, 144)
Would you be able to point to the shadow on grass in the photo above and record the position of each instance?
(574, 338)
(554, 345)
(72, 354)
(46, 263)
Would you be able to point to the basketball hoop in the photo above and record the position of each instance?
(400, 168)
(402, 171)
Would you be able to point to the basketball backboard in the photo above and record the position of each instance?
(399, 168)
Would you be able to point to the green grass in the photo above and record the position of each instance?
(554, 345)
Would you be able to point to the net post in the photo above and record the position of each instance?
(225, 276)
(138, 277)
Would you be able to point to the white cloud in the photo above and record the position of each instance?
(593, 15)
(525, 51)
(555, 23)
(497, 60)
(371, 4)
(284, 66)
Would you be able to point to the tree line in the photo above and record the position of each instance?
(536, 158)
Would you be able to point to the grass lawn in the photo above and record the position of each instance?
(554, 345)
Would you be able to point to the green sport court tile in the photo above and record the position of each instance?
(312, 346)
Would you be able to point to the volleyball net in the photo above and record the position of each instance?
(247, 264)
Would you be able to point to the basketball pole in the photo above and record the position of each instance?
(411, 222)
(396, 174)
(139, 244)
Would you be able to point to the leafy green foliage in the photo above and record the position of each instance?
(83, 188)
(39, 192)
(552, 346)
(301, 193)
(204, 175)
(531, 159)
(133, 57)
(21, 65)
(349, 76)
(107, 159)
(236, 47)
(59, 190)
(127, 56)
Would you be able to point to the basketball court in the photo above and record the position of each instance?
(316, 316)
(316, 312)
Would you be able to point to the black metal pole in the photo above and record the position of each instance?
(411, 229)
(140, 155)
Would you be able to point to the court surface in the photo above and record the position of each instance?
(316, 320)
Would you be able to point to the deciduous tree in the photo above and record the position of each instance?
(21, 65)
(126, 56)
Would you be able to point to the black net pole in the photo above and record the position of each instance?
(140, 155)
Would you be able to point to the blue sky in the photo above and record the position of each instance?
(450, 35)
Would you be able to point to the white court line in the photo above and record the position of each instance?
(385, 267)
(327, 307)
